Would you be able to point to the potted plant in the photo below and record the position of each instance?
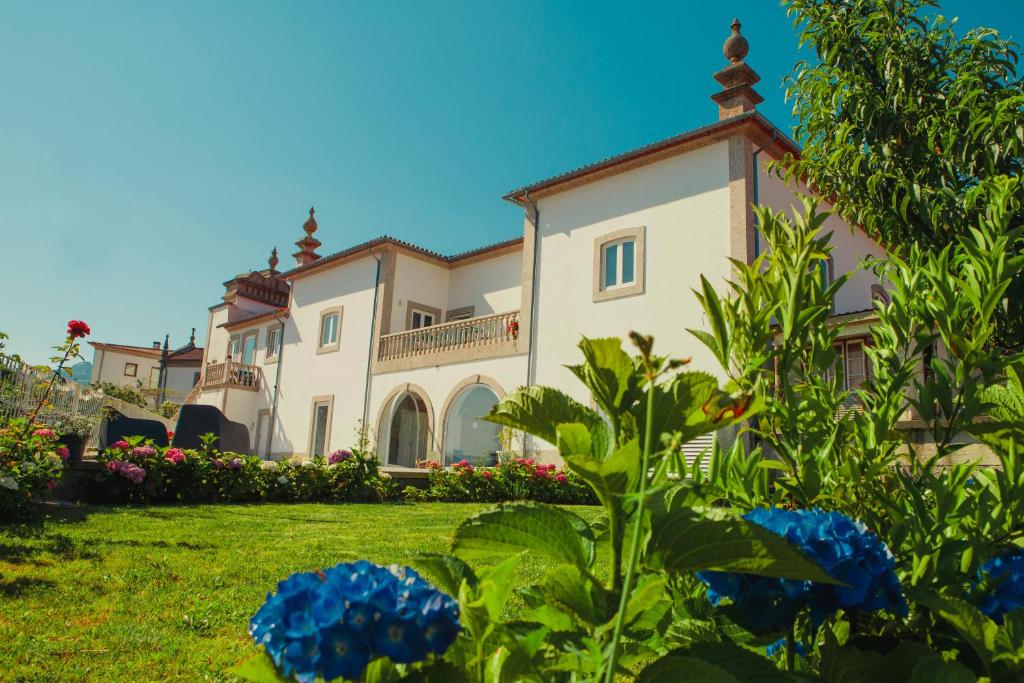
(74, 432)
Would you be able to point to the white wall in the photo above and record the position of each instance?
(851, 246)
(683, 204)
(181, 378)
(419, 281)
(109, 365)
(341, 373)
(492, 285)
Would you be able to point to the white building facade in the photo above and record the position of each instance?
(417, 346)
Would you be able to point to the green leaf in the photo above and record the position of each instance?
(850, 664)
(586, 600)
(609, 478)
(447, 572)
(649, 592)
(1009, 644)
(539, 410)
(713, 663)
(977, 629)
(546, 530)
(258, 669)
(682, 542)
(575, 439)
(606, 371)
(934, 669)
(496, 585)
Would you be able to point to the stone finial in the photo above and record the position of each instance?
(192, 338)
(273, 261)
(737, 95)
(735, 47)
(310, 225)
(307, 245)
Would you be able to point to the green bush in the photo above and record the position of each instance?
(31, 461)
(512, 479)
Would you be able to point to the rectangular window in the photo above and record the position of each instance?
(321, 422)
(856, 365)
(628, 261)
(131, 369)
(154, 378)
(273, 342)
(611, 265)
(421, 319)
(249, 348)
(329, 329)
(233, 348)
(618, 264)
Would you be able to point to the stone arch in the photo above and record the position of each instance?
(454, 394)
(878, 293)
(384, 415)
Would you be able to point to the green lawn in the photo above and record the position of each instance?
(165, 593)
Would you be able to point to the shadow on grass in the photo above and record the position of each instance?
(17, 587)
(131, 543)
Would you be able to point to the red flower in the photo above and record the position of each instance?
(560, 478)
(486, 474)
(77, 329)
(170, 434)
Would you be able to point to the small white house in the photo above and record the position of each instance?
(160, 372)
(417, 345)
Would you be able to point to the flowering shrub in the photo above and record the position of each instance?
(842, 547)
(332, 623)
(140, 472)
(28, 465)
(513, 479)
(1000, 585)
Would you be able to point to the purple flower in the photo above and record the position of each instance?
(143, 452)
(235, 464)
(119, 444)
(339, 456)
(218, 464)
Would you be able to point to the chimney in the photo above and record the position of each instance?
(156, 345)
(308, 244)
(737, 95)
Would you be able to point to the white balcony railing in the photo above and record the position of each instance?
(501, 329)
(232, 374)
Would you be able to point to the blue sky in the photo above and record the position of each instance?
(149, 151)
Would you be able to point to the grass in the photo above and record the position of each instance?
(165, 593)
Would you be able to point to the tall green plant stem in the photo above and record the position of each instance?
(634, 545)
(49, 388)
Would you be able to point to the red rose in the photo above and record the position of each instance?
(77, 329)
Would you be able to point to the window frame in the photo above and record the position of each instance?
(272, 350)
(234, 344)
(463, 313)
(336, 344)
(316, 401)
(133, 366)
(249, 334)
(423, 309)
(638, 236)
(154, 384)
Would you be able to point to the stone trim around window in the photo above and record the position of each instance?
(640, 271)
(464, 312)
(134, 369)
(269, 357)
(329, 400)
(410, 304)
(330, 348)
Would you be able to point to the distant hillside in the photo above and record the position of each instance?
(80, 372)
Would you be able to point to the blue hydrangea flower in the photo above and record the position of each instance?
(844, 548)
(332, 623)
(780, 645)
(1000, 585)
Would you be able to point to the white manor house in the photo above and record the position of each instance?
(417, 346)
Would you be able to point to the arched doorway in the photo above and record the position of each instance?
(466, 435)
(408, 431)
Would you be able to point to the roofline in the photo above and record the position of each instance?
(388, 241)
(276, 313)
(128, 349)
(656, 150)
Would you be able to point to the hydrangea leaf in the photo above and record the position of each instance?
(546, 530)
(446, 571)
(713, 663)
(683, 542)
(257, 669)
(609, 478)
(586, 600)
(851, 664)
(935, 669)
(977, 629)
(1010, 640)
(496, 585)
(539, 410)
(608, 372)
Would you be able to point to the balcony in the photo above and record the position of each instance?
(486, 336)
(232, 375)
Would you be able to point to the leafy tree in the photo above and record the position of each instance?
(906, 124)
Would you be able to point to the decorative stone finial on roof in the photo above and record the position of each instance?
(192, 338)
(307, 245)
(272, 261)
(736, 46)
(310, 225)
(737, 95)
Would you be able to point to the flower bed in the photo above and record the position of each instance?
(139, 472)
(514, 479)
(31, 461)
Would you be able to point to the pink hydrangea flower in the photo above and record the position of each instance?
(174, 455)
(560, 478)
(119, 444)
(487, 474)
(339, 456)
(235, 464)
(462, 463)
(551, 466)
(143, 451)
(218, 464)
(63, 452)
(52, 484)
(44, 433)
